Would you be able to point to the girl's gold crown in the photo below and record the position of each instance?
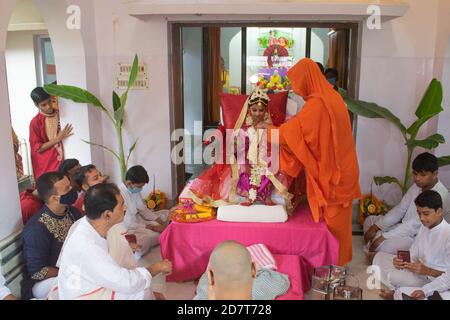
(259, 97)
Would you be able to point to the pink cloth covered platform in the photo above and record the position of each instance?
(290, 265)
(189, 245)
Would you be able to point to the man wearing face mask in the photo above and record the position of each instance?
(46, 137)
(45, 232)
(332, 76)
(139, 220)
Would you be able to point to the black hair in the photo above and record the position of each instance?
(80, 175)
(425, 162)
(322, 69)
(334, 73)
(39, 95)
(67, 165)
(429, 199)
(100, 198)
(137, 174)
(46, 184)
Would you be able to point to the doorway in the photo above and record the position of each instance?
(209, 59)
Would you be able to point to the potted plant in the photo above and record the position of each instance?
(117, 117)
(429, 107)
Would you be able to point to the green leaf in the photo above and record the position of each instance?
(379, 181)
(75, 94)
(123, 100)
(134, 72)
(444, 161)
(116, 101)
(372, 110)
(101, 146)
(431, 102)
(415, 127)
(429, 143)
(131, 151)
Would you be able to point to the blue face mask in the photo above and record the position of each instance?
(333, 81)
(135, 190)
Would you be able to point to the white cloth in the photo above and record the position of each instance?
(391, 245)
(118, 246)
(87, 266)
(403, 220)
(138, 216)
(432, 248)
(42, 288)
(135, 208)
(262, 257)
(4, 291)
(393, 278)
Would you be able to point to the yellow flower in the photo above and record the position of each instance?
(372, 208)
(151, 204)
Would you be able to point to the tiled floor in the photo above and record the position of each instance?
(186, 290)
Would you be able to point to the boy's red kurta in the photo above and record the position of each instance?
(48, 160)
(319, 139)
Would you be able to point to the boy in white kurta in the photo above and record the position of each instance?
(430, 252)
(397, 229)
(147, 225)
(87, 269)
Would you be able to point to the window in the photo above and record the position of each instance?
(45, 60)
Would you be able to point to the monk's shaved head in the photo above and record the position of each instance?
(231, 265)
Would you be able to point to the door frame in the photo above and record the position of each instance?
(176, 98)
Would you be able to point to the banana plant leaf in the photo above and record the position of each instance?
(116, 101)
(131, 150)
(372, 110)
(75, 94)
(415, 127)
(431, 102)
(120, 112)
(444, 161)
(102, 146)
(379, 181)
(429, 143)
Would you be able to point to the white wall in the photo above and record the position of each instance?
(21, 71)
(10, 218)
(148, 114)
(444, 118)
(193, 84)
(397, 64)
(235, 57)
(299, 43)
(231, 49)
(442, 69)
(320, 45)
(71, 68)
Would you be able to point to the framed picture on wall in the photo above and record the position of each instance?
(235, 90)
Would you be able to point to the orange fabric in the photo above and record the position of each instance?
(319, 140)
(340, 225)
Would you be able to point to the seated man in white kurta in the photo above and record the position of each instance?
(429, 253)
(87, 269)
(397, 229)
